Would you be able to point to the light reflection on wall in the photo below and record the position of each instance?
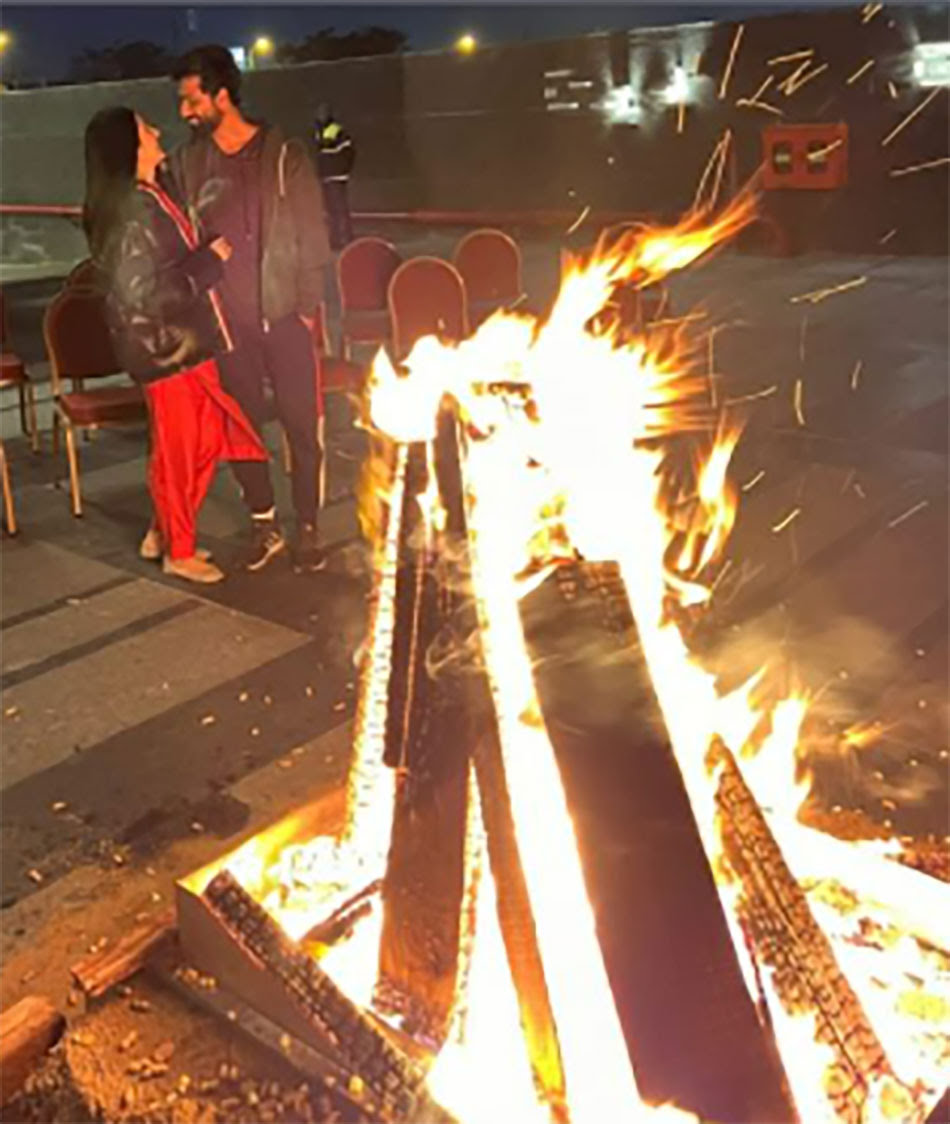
(639, 104)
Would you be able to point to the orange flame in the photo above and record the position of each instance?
(564, 418)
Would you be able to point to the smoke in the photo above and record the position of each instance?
(878, 719)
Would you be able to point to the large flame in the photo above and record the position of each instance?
(563, 419)
(566, 420)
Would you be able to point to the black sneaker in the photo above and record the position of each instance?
(308, 554)
(267, 541)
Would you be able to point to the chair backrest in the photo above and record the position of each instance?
(426, 298)
(490, 264)
(77, 337)
(364, 270)
(84, 275)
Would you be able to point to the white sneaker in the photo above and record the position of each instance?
(194, 569)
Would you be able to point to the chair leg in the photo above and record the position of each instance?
(56, 424)
(285, 451)
(24, 424)
(72, 453)
(322, 475)
(34, 429)
(9, 513)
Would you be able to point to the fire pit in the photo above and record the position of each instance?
(442, 953)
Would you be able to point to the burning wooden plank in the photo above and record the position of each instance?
(428, 741)
(395, 1082)
(666, 944)
(790, 945)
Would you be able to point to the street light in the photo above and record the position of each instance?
(5, 40)
(261, 48)
(466, 44)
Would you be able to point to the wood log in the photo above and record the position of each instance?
(431, 730)
(674, 973)
(357, 1042)
(99, 971)
(27, 1030)
(788, 941)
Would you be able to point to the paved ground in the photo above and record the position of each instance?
(170, 720)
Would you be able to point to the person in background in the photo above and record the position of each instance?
(167, 325)
(336, 154)
(243, 180)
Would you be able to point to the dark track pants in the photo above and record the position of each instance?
(336, 200)
(283, 357)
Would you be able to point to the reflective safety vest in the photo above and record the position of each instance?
(335, 152)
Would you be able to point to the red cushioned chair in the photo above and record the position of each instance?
(426, 298)
(364, 270)
(13, 373)
(80, 350)
(490, 264)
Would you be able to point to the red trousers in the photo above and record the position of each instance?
(195, 424)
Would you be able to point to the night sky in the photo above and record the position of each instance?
(47, 38)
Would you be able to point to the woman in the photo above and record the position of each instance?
(166, 324)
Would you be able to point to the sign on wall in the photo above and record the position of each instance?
(805, 157)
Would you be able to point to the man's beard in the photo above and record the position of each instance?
(205, 126)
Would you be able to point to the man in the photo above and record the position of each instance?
(335, 157)
(242, 180)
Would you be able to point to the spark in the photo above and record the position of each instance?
(767, 393)
(750, 484)
(793, 89)
(679, 319)
(919, 108)
(863, 69)
(789, 80)
(727, 566)
(807, 54)
(856, 374)
(821, 153)
(719, 151)
(860, 492)
(847, 480)
(580, 218)
(755, 397)
(939, 162)
(737, 39)
(821, 294)
(761, 90)
(790, 518)
(870, 11)
(887, 237)
(892, 90)
(799, 415)
(907, 514)
(681, 117)
(751, 103)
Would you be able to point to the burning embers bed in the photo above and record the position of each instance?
(442, 950)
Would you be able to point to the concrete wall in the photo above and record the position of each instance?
(492, 131)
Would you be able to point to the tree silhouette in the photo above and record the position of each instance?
(325, 45)
(123, 61)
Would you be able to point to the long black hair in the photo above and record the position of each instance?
(112, 149)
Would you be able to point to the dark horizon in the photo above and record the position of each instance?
(45, 39)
